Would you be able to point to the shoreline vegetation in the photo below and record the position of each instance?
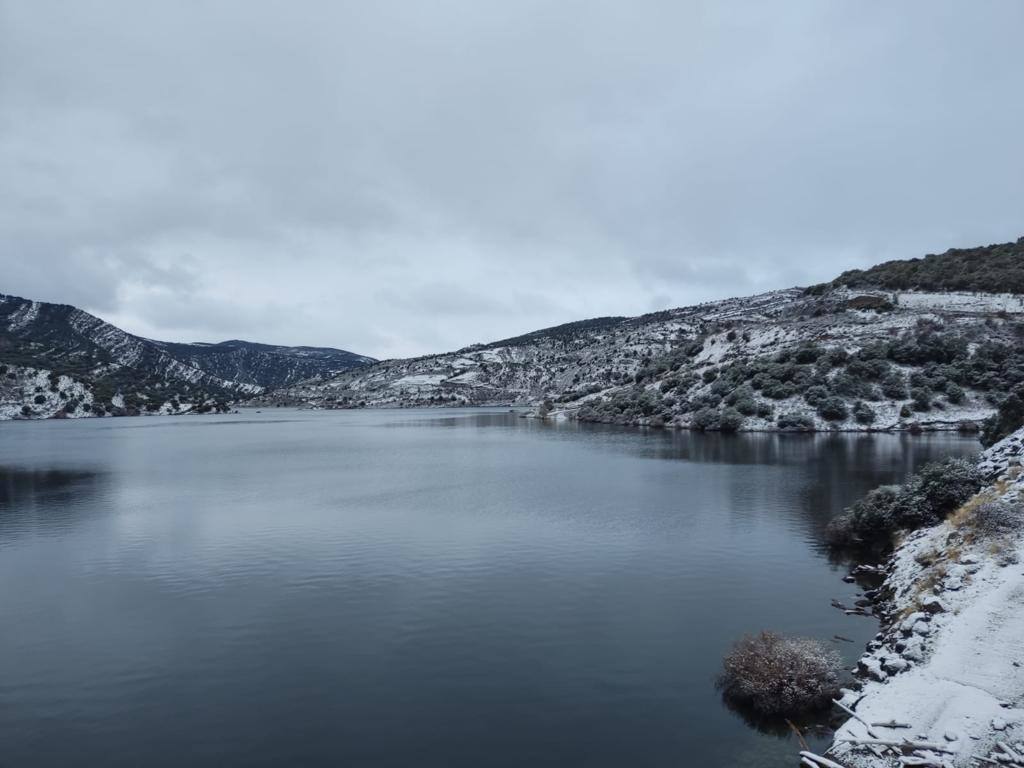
(942, 682)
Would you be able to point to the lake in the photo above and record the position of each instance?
(409, 587)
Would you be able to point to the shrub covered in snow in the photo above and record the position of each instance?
(927, 497)
(1008, 418)
(730, 420)
(929, 366)
(778, 675)
(832, 409)
(795, 421)
(997, 518)
(705, 418)
(863, 413)
(937, 490)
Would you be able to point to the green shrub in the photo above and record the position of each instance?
(936, 491)
(730, 420)
(893, 386)
(1008, 418)
(778, 390)
(863, 413)
(816, 395)
(807, 354)
(799, 422)
(922, 399)
(939, 489)
(704, 419)
(847, 385)
(871, 369)
(837, 356)
(746, 406)
(832, 409)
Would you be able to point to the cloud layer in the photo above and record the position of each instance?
(397, 178)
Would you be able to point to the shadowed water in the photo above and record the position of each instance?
(429, 588)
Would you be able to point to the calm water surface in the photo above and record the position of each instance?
(408, 588)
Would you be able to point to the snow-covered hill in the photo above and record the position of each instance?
(890, 359)
(60, 360)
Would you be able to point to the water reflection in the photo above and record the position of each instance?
(812, 725)
(835, 466)
(499, 591)
(42, 500)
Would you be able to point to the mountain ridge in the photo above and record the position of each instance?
(887, 347)
(60, 360)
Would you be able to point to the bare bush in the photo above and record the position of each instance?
(997, 518)
(778, 675)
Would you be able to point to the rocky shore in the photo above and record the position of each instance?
(943, 681)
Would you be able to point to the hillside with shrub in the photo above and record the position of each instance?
(57, 360)
(929, 343)
(995, 268)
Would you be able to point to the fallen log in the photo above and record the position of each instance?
(906, 744)
(856, 717)
(1010, 753)
(922, 762)
(819, 760)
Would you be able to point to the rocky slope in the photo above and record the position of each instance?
(56, 359)
(829, 357)
(948, 666)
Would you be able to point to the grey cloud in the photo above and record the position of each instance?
(546, 161)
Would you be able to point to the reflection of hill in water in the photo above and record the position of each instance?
(38, 499)
(833, 470)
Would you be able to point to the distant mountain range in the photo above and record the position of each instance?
(933, 342)
(60, 360)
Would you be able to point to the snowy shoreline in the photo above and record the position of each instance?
(947, 666)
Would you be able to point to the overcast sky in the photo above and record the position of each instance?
(396, 178)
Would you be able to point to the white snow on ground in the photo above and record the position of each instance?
(25, 385)
(418, 380)
(964, 302)
(952, 666)
(24, 317)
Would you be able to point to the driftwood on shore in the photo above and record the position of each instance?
(817, 761)
(904, 744)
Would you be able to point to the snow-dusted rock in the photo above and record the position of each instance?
(965, 683)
